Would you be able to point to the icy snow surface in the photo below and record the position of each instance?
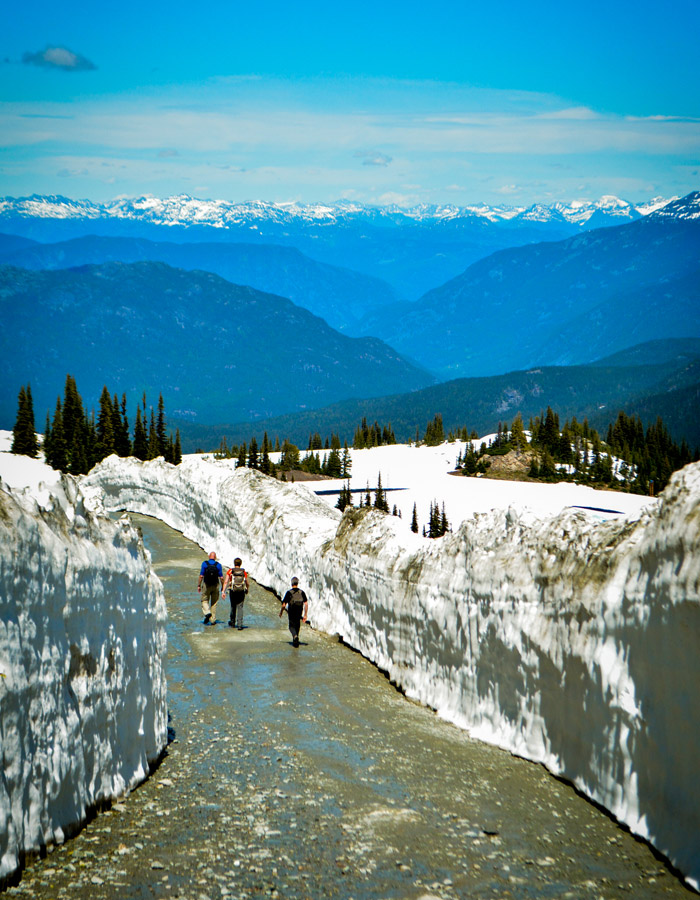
(82, 644)
(567, 639)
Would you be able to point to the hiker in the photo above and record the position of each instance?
(212, 575)
(297, 604)
(237, 578)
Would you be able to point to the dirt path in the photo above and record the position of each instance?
(303, 773)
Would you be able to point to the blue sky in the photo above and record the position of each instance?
(502, 102)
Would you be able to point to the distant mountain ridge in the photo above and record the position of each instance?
(340, 296)
(414, 250)
(216, 350)
(559, 303)
(186, 210)
(652, 379)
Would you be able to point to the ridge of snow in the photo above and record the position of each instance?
(566, 640)
(82, 643)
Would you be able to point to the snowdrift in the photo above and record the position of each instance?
(567, 640)
(82, 684)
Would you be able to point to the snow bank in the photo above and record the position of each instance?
(569, 641)
(82, 644)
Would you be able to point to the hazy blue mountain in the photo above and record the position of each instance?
(217, 351)
(340, 296)
(652, 353)
(412, 249)
(13, 243)
(569, 301)
(597, 392)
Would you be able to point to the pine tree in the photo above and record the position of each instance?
(46, 443)
(242, 456)
(73, 413)
(140, 449)
(345, 497)
(160, 427)
(414, 520)
(253, 461)
(380, 501)
(444, 524)
(122, 442)
(346, 462)
(265, 463)
(177, 449)
(57, 456)
(153, 448)
(24, 439)
(105, 426)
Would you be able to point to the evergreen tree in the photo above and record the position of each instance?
(153, 446)
(346, 462)
(105, 426)
(122, 442)
(345, 497)
(265, 463)
(140, 449)
(253, 461)
(434, 432)
(57, 456)
(380, 501)
(46, 443)
(177, 449)
(24, 439)
(242, 456)
(334, 465)
(518, 436)
(414, 520)
(444, 524)
(73, 413)
(160, 427)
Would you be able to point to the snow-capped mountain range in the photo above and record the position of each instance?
(188, 211)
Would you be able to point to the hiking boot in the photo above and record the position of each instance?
(295, 642)
(207, 619)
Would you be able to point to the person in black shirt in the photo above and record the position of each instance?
(296, 603)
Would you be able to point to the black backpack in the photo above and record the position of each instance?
(211, 573)
(296, 597)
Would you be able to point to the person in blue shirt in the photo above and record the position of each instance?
(211, 578)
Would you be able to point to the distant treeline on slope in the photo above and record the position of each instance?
(629, 459)
(74, 441)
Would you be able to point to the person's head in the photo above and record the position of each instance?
(295, 581)
(212, 555)
(237, 561)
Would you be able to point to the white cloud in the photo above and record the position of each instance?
(251, 137)
(59, 58)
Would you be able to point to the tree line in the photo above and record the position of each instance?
(75, 440)
(630, 458)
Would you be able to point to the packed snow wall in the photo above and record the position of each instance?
(567, 640)
(82, 685)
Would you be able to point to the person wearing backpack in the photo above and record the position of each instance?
(211, 577)
(237, 579)
(297, 605)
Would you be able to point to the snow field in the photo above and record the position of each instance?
(82, 644)
(422, 474)
(566, 639)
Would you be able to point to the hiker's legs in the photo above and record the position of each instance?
(236, 598)
(294, 613)
(210, 597)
